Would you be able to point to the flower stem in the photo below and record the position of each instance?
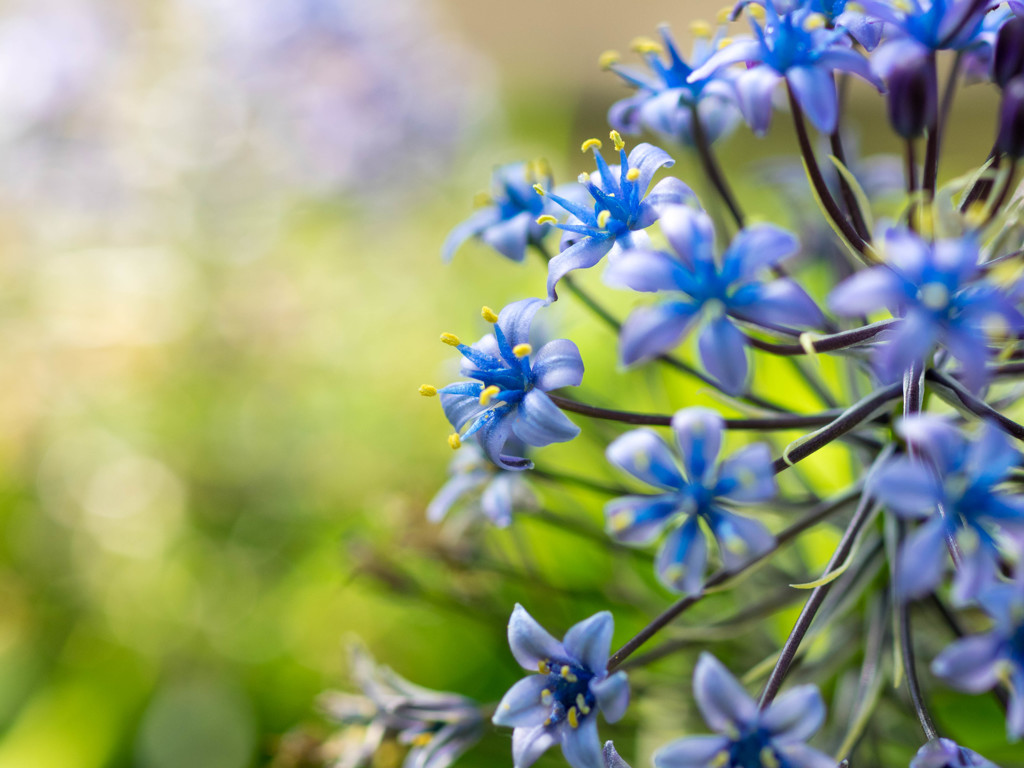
(816, 515)
(931, 152)
(830, 343)
(850, 199)
(956, 394)
(713, 170)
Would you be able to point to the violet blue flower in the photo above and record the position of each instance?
(979, 662)
(922, 26)
(665, 100)
(946, 753)
(937, 291)
(847, 14)
(482, 489)
(750, 737)
(507, 399)
(790, 47)
(509, 222)
(559, 704)
(622, 207)
(438, 726)
(952, 484)
(703, 288)
(697, 492)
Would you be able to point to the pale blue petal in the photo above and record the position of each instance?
(754, 89)
(906, 343)
(739, 50)
(991, 455)
(540, 422)
(509, 238)
(530, 642)
(667, 193)
(640, 519)
(936, 438)
(802, 756)
(557, 364)
(655, 330)
(795, 716)
(647, 159)
(472, 226)
(643, 454)
(461, 408)
(581, 746)
(970, 664)
(720, 697)
(723, 350)
(814, 88)
(494, 435)
(649, 271)
(740, 539)
(453, 490)
(522, 705)
(581, 255)
(691, 752)
(612, 759)
(499, 498)
(515, 320)
(589, 641)
(906, 487)
(868, 291)
(691, 234)
(921, 559)
(682, 558)
(748, 475)
(612, 696)
(698, 434)
(780, 302)
(528, 744)
(754, 249)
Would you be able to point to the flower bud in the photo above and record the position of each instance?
(1008, 59)
(1011, 119)
(912, 97)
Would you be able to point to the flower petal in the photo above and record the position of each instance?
(557, 364)
(515, 320)
(540, 422)
(681, 560)
(453, 490)
(814, 88)
(647, 159)
(580, 255)
(922, 559)
(906, 486)
(667, 194)
(612, 759)
(589, 641)
(936, 438)
(612, 696)
(795, 716)
(528, 744)
(754, 89)
(698, 433)
(740, 539)
(522, 705)
(691, 752)
(970, 664)
(641, 519)
(722, 700)
(509, 237)
(530, 642)
(581, 746)
(643, 454)
(801, 756)
(655, 330)
(645, 270)
(472, 226)
(755, 248)
(779, 302)
(867, 291)
(748, 475)
(691, 235)
(723, 350)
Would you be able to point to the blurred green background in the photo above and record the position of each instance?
(213, 460)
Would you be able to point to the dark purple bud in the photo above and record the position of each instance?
(912, 97)
(1008, 59)
(1011, 119)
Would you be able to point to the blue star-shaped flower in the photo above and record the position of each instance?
(946, 753)
(695, 493)
(937, 292)
(716, 290)
(962, 478)
(750, 737)
(507, 399)
(559, 704)
(665, 99)
(622, 207)
(792, 47)
(930, 25)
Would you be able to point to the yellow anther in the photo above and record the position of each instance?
(854, 8)
(976, 214)
(724, 16)
(714, 308)
(608, 59)
(590, 144)
(701, 29)
(567, 674)
(489, 314)
(546, 696)
(422, 739)
(768, 758)
(488, 393)
(995, 326)
(427, 390)
(720, 760)
(574, 721)
(620, 520)
(454, 441)
(616, 138)
(581, 704)
(756, 12)
(583, 178)
(482, 200)
(543, 668)
(725, 42)
(815, 21)
(522, 350)
(602, 218)
(633, 174)
(538, 189)
(674, 573)
(547, 218)
(450, 339)
(645, 45)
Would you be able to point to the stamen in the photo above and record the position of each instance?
(567, 674)
(590, 144)
(489, 315)
(724, 16)
(756, 12)
(616, 139)
(720, 760)
(768, 758)
(814, 21)
(574, 721)
(581, 704)
(482, 200)
(607, 59)
(621, 520)
(543, 667)
(422, 739)
(633, 174)
(583, 178)
(646, 45)
(725, 42)
(701, 29)
(538, 189)
(547, 218)
(454, 441)
(428, 391)
(450, 339)
(488, 393)
(602, 218)
(522, 350)
(546, 698)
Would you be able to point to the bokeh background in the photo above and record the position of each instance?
(220, 288)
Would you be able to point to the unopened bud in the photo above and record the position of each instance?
(1008, 58)
(912, 97)
(1011, 119)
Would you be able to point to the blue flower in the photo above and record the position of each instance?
(481, 488)
(509, 222)
(438, 726)
(847, 14)
(750, 737)
(936, 290)
(696, 493)
(790, 47)
(507, 399)
(946, 753)
(622, 207)
(706, 288)
(559, 705)
(665, 100)
(980, 662)
(916, 26)
(954, 486)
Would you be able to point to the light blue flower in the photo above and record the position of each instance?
(980, 662)
(954, 486)
(482, 489)
(622, 207)
(847, 14)
(750, 737)
(698, 491)
(937, 291)
(918, 26)
(790, 47)
(509, 222)
(946, 753)
(559, 704)
(507, 399)
(664, 100)
(715, 291)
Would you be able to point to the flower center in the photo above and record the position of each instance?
(752, 750)
(567, 692)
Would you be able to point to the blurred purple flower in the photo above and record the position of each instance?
(696, 493)
(480, 488)
(559, 705)
(946, 753)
